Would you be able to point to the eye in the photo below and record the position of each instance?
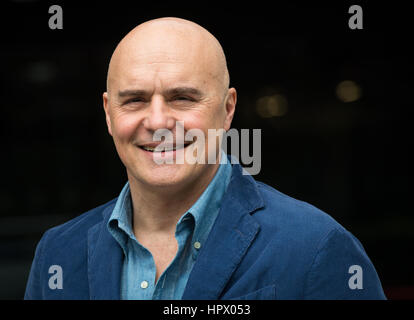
(134, 100)
(183, 98)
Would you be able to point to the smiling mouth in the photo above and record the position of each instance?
(164, 148)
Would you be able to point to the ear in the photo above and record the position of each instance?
(106, 108)
(230, 105)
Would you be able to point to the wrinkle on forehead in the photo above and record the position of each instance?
(171, 40)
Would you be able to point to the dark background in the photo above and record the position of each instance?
(349, 158)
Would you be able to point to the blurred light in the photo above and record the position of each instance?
(271, 106)
(41, 72)
(348, 91)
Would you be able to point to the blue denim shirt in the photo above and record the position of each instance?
(192, 229)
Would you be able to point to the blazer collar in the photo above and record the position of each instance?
(231, 235)
(105, 259)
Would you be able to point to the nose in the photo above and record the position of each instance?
(158, 115)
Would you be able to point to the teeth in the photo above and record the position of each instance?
(152, 149)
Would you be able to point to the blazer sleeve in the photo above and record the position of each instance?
(33, 287)
(342, 270)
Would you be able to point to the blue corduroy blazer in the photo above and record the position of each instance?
(263, 245)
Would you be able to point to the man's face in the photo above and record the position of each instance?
(153, 86)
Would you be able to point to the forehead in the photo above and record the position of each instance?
(164, 57)
(161, 69)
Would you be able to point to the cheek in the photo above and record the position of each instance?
(124, 126)
(205, 121)
(207, 118)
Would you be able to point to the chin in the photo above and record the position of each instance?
(166, 175)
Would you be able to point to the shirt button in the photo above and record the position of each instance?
(197, 245)
(144, 284)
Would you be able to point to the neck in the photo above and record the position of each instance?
(156, 210)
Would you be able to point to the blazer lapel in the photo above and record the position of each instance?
(231, 235)
(105, 258)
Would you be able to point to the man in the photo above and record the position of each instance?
(191, 230)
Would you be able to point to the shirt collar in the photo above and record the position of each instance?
(204, 210)
(120, 221)
(207, 207)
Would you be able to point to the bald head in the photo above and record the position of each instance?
(168, 74)
(170, 41)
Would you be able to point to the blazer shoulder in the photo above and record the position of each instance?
(79, 225)
(290, 213)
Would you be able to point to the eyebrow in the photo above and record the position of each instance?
(128, 93)
(171, 92)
